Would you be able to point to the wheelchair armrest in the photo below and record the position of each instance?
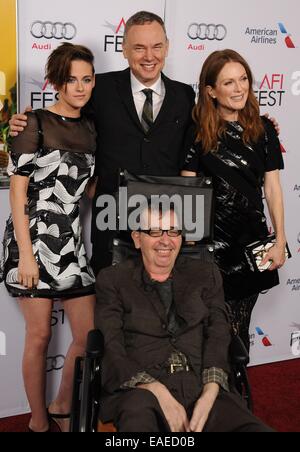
(87, 386)
(238, 352)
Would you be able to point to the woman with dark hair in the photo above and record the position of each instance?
(241, 152)
(44, 255)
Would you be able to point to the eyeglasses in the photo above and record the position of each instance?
(160, 232)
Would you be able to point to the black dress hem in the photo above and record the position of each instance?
(51, 294)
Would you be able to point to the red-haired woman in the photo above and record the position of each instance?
(241, 152)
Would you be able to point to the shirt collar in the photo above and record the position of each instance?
(137, 86)
(150, 283)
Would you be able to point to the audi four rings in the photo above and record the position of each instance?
(53, 30)
(207, 31)
(55, 362)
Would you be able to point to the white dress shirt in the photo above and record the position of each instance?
(139, 97)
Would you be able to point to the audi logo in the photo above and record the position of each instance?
(207, 31)
(55, 363)
(53, 30)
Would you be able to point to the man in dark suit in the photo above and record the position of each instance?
(141, 117)
(166, 337)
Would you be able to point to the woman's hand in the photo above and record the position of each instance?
(274, 122)
(28, 271)
(276, 255)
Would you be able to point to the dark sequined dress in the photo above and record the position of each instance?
(238, 174)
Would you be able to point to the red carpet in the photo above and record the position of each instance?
(276, 395)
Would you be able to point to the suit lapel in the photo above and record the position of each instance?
(149, 293)
(125, 93)
(179, 286)
(187, 298)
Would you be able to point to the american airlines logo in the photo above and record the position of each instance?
(264, 337)
(287, 36)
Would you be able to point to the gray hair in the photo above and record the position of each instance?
(142, 18)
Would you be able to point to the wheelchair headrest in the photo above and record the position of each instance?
(194, 195)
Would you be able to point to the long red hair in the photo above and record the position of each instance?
(210, 126)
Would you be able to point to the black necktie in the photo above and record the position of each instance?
(147, 114)
(165, 293)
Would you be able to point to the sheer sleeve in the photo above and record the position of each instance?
(24, 149)
(273, 158)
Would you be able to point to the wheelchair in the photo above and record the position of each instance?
(87, 374)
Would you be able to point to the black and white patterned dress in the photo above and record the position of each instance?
(57, 154)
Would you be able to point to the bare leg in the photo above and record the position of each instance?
(37, 315)
(80, 312)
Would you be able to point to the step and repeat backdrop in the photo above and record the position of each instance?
(267, 35)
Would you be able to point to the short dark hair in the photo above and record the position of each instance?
(58, 65)
(156, 206)
(142, 18)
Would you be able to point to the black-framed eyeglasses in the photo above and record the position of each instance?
(160, 232)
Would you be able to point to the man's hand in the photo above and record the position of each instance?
(203, 407)
(174, 412)
(274, 121)
(18, 122)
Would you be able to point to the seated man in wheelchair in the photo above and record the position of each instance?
(167, 336)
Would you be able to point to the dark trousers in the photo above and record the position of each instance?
(138, 410)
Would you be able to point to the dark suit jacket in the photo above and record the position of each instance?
(133, 321)
(122, 143)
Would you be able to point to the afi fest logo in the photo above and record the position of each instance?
(43, 94)
(114, 41)
(264, 337)
(2, 344)
(270, 90)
